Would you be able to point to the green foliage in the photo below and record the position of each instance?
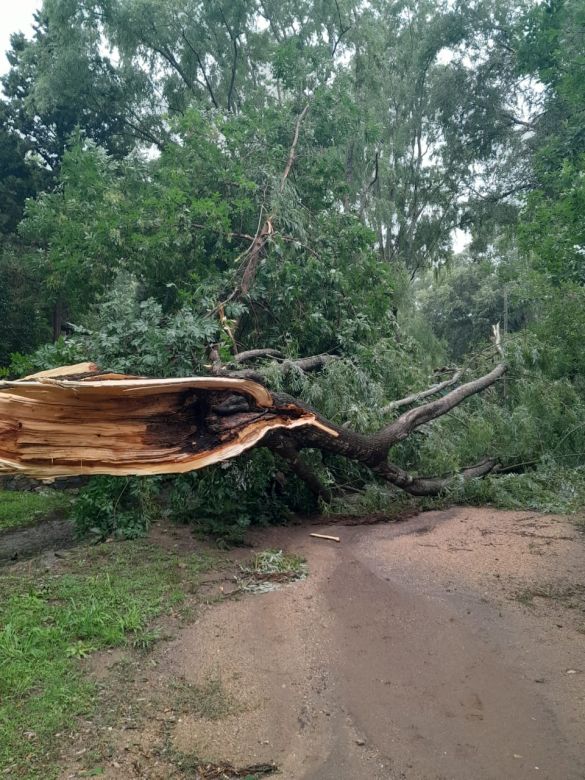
(553, 225)
(226, 499)
(79, 226)
(60, 79)
(62, 352)
(23, 311)
(559, 319)
(20, 176)
(116, 506)
(129, 335)
(551, 488)
(467, 298)
(133, 336)
(536, 417)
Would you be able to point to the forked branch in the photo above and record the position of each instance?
(409, 421)
(293, 148)
(253, 255)
(416, 397)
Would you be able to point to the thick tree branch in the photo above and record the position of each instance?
(312, 363)
(239, 373)
(202, 69)
(234, 40)
(407, 422)
(252, 354)
(217, 368)
(307, 364)
(233, 76)
(255, 252)
(343, 29)
(431, 486)
(293, 148)
(254, 255)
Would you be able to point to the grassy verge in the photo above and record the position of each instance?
(99, 597)
(20, 509)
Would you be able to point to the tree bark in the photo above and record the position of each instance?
(420, 396)
(79, 421)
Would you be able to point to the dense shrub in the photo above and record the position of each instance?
(122, 507)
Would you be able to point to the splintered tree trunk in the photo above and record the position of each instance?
(77, 420)
(115, 424)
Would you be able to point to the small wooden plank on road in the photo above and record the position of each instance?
(326, 536)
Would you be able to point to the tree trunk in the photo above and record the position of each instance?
(79, 421)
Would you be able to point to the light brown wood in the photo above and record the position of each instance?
(326, 536)
(78, 368)
(52, 426)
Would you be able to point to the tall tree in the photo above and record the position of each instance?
(554, 222)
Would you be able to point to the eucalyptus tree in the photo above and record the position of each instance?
(413, 95)
(553, 229)
(437, 84)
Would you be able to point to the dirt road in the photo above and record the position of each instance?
(449, 646)
(418, 650)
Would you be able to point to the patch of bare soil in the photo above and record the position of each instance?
(448, 647)
(52, 533)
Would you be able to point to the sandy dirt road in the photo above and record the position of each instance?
(418, 650)
(449, 646)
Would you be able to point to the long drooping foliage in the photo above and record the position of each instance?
(149, 149)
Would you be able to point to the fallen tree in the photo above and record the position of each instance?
(79, 420)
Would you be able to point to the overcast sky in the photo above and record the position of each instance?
(14, 17)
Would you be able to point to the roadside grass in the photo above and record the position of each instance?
(98, 597)
(25, 508)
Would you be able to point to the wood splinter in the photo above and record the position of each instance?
(325, 536)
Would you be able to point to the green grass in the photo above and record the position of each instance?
(25, 508)
(101, 597)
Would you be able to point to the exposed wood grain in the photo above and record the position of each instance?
(53, 426)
